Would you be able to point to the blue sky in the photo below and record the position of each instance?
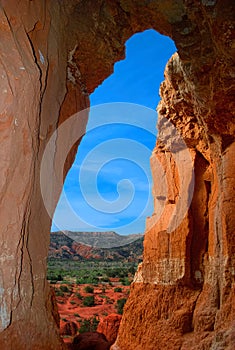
(109, 184)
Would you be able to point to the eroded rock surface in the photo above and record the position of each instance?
(109, 327)
(69, 328)
(183, 295)
(52, 55)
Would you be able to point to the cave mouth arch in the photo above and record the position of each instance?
(46, 41)
(136, 80)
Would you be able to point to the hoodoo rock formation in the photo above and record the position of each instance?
(53, 53)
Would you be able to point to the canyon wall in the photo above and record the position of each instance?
(183, 293)
(52, 56)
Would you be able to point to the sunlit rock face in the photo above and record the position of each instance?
(109, 327)
(52, 56)
(183, 295)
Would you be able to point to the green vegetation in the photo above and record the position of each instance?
(89, 300)
(89, 272)
(71, 274)
(64, 289)
(89, 289)
(125, 281)
(89, 325)
(79, 296)
(120, 305)
(59, 292)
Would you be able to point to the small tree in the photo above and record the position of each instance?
(89, 325)
(89, 300)
(120, 305)
(64, 289)
(59, 293)
(125, 281)
(79, 296)
(89, 289)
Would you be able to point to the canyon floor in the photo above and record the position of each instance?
(91, 284)
(75, 317)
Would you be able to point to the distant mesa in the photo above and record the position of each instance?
(108, 239)
(108, 246)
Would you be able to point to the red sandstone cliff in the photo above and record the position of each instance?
(183, 295)
(49, 51)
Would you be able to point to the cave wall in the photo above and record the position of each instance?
(52, 56)
(183, 293)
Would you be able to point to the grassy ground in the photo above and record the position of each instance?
(89, 272)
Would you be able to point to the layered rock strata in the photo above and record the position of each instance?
(183, 293)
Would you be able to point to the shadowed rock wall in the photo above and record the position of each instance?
(52, 56)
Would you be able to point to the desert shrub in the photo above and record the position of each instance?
(89, 300)
(79, 296)
(132, 270)
(89, 325)
(118, 290)
(72, 302)
(59, 277)
(120, 305)
(87, 279)
(108, 300)
(59, 293)
(54, 275)
(120, 272)
(104, 279)
(125, 281)
(89, 289)
(64, 289)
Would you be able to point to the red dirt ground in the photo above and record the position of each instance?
(105, 302)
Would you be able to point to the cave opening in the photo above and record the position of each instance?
(108, 173)
(113, 154)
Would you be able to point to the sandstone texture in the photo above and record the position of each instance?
(53, 54)
(69, 328)
(109, 327)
